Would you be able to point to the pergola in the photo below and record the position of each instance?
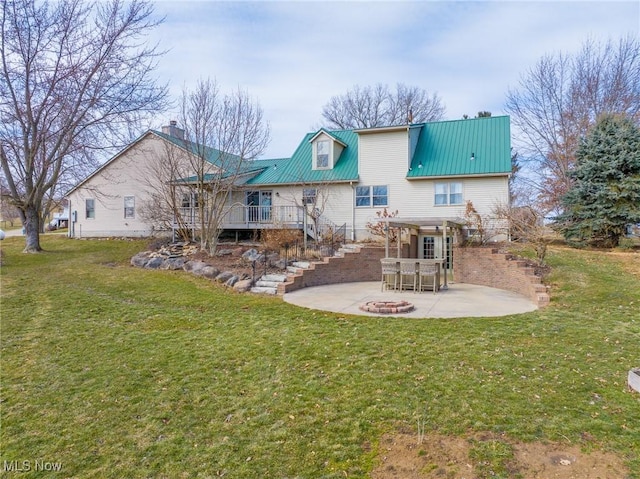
(443, 225)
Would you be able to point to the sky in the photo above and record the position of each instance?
(293, 56)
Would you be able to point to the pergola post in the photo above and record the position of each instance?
(445, 247)
(386, 239)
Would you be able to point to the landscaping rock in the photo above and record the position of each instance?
(210, 272)
(174, 263)
(231, 281)
(273, 258)
(224, 276)
(194, 266)
(243, 285)
(141, 259)
(280, 264)
(154, 263)
(252, 255)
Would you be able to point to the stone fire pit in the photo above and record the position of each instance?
(387, 307)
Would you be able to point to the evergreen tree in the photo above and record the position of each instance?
(605, 193)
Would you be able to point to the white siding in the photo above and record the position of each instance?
(383, 160)
(128, 174)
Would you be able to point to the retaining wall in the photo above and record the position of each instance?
(481, 266)
(497, 269)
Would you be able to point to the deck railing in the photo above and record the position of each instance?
(239, 216)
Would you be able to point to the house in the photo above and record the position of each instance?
(124, 197)
(333, 180)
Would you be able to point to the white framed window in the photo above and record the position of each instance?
(367, 196)
(129, 206)
(190, 200)
(309, 196)
(322, 154)
(448, 193)
(90, 208)
(379, 195)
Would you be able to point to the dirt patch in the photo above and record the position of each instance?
(447, 457)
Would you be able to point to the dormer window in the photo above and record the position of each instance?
(322, 154)
(326, 150)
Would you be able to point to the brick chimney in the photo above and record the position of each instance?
(173, 130)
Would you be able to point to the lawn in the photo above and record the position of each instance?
(110, 371)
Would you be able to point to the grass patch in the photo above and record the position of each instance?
(117, 372)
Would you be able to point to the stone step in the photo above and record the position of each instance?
(267, 284)
(301, 264)
(278, 278)
(264, 290)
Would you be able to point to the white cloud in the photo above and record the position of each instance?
(294, 56)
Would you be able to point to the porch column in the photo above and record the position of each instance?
(446, 254)
(386, 239)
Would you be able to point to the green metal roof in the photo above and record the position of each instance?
(442, 148)
(445, 148)
(211, 155)
(298, 169)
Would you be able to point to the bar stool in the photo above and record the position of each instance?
(427, 270)
(408, 269)
(389, 269)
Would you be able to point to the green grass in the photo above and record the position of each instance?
(119, 372)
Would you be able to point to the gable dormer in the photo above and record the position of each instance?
(325, 150)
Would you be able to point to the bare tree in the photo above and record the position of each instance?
(225, 133)
(560, 98)
(526, 225)
(164, 206)
(365, 107)
(76, 79)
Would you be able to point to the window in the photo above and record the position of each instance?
(363, 196)
(190, 200)
(309, 196)
(322, 154)
(428, 247)
(372, 195)
(90, 208)
(129, 206)
(380, 196)
(448, 193)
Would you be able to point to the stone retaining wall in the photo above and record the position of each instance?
(358, 264)
(496, 269)
(481, 266)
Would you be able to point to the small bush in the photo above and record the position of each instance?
(275, 239)
(377, 228)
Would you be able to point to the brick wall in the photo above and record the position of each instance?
(357, 264)
(482, 266)
(491, 267)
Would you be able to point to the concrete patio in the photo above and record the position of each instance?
(460, 300)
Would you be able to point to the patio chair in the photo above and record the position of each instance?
(429, 271)
(389, 270)
(408, 271)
